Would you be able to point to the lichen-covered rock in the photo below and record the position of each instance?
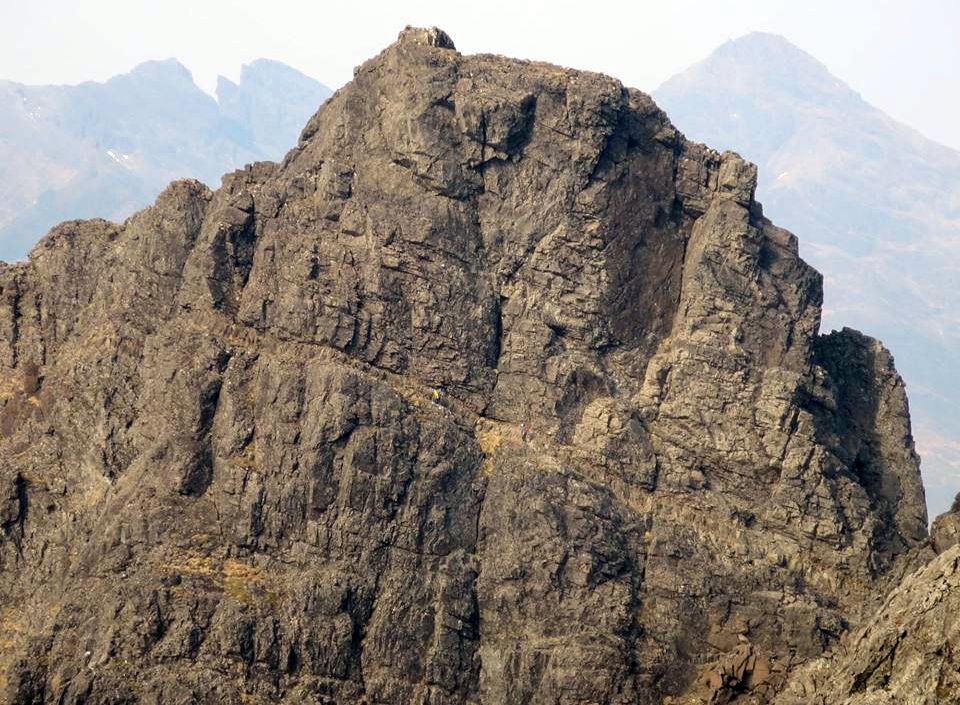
(224, 479)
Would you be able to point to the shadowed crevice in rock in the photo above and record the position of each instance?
(873, 436)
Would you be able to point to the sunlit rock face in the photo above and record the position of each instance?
(226, 476)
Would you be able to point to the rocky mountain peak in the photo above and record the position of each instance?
(264, 112)
(754, 47)
(770, 60)
(433, 37)
(167, 70)
(495, 389)
(875, 204)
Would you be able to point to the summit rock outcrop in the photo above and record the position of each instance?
(223, 478)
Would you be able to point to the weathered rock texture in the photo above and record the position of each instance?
(876, 204)
(905, 655)
(223, 479)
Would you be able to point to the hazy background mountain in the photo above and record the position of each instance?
(106, 149)
(875, 204)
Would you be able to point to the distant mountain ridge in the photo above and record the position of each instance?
(875, 204)
(107, 149)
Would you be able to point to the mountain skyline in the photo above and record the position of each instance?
(107, 149)
(796, 133)
(881, 48)
(875, 205)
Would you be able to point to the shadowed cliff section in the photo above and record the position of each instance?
(224, 479)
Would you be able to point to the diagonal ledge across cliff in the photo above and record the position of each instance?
(224, 477)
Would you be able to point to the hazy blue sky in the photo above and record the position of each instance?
(902, 56)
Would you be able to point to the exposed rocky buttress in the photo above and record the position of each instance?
(223, 478)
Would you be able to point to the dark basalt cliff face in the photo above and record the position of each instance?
(223, 480)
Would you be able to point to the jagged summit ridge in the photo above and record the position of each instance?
(432, 37)
(225, 478)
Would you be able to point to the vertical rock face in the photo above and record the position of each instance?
(222, 477)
